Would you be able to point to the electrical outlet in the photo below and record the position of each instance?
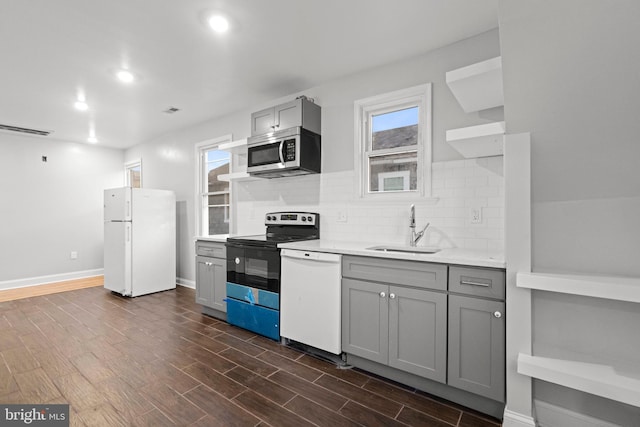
(475, 215)
(74, 255)
(342, 216)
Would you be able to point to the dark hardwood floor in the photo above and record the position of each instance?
(156, 361)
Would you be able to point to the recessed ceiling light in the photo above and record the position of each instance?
(125, 76)
(218, 23)
(81, 106)
(92, 140)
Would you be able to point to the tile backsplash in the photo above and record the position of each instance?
(458, 188)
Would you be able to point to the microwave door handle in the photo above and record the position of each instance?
(280, 154)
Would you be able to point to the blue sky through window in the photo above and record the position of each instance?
(395, 119)
(217, 155)
(216, 158)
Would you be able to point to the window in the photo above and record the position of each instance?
(133, 174)
(214, 194)
(393, 143)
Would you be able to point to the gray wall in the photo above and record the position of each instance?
(571, 79)
(50, 209)
(169, 160)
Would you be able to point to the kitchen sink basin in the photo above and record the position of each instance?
(405, 249)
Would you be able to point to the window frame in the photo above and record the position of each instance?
(420, 96)
(201, 208)
(128, 167)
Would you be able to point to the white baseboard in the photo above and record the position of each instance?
(42, 280)
(549, 415)
(186, 283)
(515, 419)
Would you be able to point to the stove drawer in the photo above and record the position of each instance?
(261, 320)
(253, 296)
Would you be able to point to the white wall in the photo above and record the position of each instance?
(169, 160)
(571, 79)
(50, 209)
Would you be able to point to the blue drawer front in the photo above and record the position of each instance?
(253, 296)
(261, 320)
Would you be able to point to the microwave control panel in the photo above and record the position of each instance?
(289, 150)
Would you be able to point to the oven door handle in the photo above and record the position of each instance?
(280, 153)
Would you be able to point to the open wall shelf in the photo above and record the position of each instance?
(601, 379)
(478, 86)
(615, 288)
(238, 150)
(478, 141)
(605, 378)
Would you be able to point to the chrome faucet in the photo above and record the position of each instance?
(415, 237)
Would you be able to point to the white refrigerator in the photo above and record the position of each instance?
(139, 240)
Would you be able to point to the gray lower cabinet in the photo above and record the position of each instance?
(365, 320)
(439, 322)
(401, 327)
(418, 332)
(476, 361)
(211, 275)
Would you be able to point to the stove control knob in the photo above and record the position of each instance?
(309, 219)
(304, 218)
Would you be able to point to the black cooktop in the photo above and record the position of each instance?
(283, 227)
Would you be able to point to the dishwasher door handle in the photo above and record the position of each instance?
(311, 256)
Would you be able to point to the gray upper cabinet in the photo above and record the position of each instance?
(211, 275)
(477, 346)
(404, 327)
(299, 112)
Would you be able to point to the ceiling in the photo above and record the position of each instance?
(55, 51)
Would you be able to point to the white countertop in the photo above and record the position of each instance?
(220, 238)
(478, 258)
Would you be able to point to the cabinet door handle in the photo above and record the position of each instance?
(208, 263)
(392, 295)
(497, 314)
(469, 282)
(382, 295)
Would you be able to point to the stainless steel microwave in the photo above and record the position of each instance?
(294, 151)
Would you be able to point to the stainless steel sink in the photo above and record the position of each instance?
(405, 249)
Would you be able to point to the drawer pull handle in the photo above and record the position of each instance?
(382, 295)
(469, 282)
(497, 314)
(392, 295)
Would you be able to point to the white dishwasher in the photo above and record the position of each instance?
(310, 296)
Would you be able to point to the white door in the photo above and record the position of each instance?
(154, 241)
(117, 204)
(310, 296)
(117, 257)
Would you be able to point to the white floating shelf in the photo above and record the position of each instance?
(614, 288)
(233, 144)
(478, 141)
(236, 176)
(599, 379)
(478, 86)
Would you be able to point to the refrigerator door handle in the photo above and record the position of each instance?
(128, 233)
(128, 209)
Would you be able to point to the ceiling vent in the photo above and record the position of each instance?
(11, 128)
(171, 110)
